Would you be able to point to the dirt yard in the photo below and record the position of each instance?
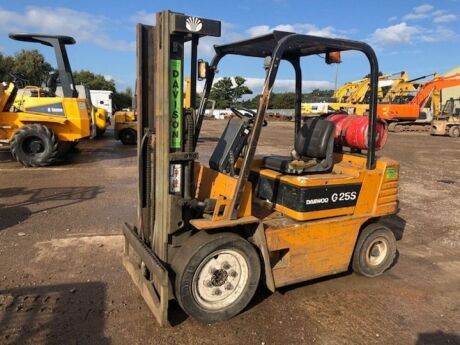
(62, 281)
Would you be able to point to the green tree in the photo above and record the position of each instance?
(32, 64)
(6, 67)
(122, 100)
(317, 95)
(93, 81)
(226, 92)
(252, 103)
(129, 92)
(285, 100)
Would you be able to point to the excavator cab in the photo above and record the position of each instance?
(40, 127)
(208, 234)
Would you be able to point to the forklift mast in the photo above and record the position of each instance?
(58, 43)
(165, 146)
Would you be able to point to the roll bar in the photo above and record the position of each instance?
(58, 43)
(291, 47)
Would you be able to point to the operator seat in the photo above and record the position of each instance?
(313, 150)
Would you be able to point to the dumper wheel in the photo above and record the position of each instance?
(35, 145)
(128, 136)
(216, 276)
(375, 250)
(454, 132)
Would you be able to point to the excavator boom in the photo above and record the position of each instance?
(412, 110)
(436, 84)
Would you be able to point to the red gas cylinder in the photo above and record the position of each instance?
(351, 131)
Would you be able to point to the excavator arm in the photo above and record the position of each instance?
(434, 87)
(363, 88)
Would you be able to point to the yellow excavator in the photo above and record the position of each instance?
(348, 97)
(39, 133)
(402, 90)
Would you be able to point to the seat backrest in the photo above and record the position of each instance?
(314, 138)
(230, 144)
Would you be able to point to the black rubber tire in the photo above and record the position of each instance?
(371, 233)
(65, 147)
(188, 260)
(128, 136)
(100, 132)
(40, 134)
(454, 131)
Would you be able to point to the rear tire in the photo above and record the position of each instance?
(35, 145)
(454, 132)
(65, 147)
(375, 250)
(128, 136)
(100, 132)
(216, 276)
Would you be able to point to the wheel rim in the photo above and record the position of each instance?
(220, 279)
(33, 146)
(377, 251)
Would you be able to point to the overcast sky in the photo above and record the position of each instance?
(419, 37)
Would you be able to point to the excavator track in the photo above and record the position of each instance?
(408, 127)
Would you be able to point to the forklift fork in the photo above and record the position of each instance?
(149, 275)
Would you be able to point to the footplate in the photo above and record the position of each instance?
(155, 291)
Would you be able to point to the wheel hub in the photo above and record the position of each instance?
(220, 279)
(33, 146)
(377, 252)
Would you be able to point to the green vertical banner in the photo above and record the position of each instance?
(175, 103)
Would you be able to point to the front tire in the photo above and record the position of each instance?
(454, 132)
(35, 145)
(100, 132)
(128, 136)
(216, 276)
(375, 250)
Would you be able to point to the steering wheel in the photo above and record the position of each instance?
(19, 77)
(248, 113)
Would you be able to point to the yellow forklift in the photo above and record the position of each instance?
(448, 121)
(208, 234)
(39, 132)
(125, 126)
(125, 121)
